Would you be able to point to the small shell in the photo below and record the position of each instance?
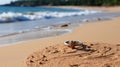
(77, 42)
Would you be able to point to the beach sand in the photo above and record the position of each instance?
(108, 9)
(105, 33)
(93, 55)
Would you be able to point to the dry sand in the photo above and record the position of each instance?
(92, 55)
(108, 9)
(95, 33)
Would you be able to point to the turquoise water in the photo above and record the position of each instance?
(14, 14)
(16, 19)
(33, 9)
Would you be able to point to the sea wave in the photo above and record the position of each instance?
(13, 16)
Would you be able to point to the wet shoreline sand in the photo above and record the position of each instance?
(54, 30)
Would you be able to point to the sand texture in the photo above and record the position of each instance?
(92, 55)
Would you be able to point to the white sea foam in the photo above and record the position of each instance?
(12, 16)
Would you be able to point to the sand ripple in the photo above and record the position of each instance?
(94, 55)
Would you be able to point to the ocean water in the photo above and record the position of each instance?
(17, 19)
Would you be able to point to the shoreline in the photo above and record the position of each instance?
(56, 33)
(15, 55)
(22, 36)
(52, 31)
(101, 8)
